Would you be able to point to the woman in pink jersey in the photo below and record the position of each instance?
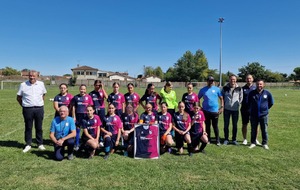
(151, 97)
(132, 97)
(99, 95)
(111, 130)
(148, 117)
(79, 104)
(117, 99)
(164, 119)
(62, 99)
(190, 98)
(91, 131)
(182, 126)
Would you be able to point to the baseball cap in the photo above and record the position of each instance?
(210, 78)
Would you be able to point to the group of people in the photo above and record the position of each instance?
(105, 128)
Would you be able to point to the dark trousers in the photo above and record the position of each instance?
(36, 115)
(212, 118)
(59, 151)
(263, 122)
(235, 117)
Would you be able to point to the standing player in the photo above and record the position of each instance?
(259, 103)
(99, 95)
(62, 99)
(148, 117)
(210, 106)
(249, 86)
(198, 132)
(111, 130)
(79, 104)
(182, 126)
(190, 98)
(117, 99)
(151, 97)
(129, 119)
(132, 97)
(91, 130)
(168, 95)
(164, 119)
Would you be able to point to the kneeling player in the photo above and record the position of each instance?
(111, 131)
(165, 126)
(129, 118)
(197, 131)
(182, 126)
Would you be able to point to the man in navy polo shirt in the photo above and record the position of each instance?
(259, 103)
(30, 96)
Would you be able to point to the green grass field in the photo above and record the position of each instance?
(224, 167)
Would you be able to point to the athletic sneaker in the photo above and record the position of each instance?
(235, 143)
(218, 144)
(257, 142)
(245, 142)
(125, 153)
(41, 147)
(170, 150)
(190, 154)
(202, 151)
(106, 157)
(265, 146)
(27, 148)
(70, 157)
(225, 142)
(252, 146)
(76, 148)
(101, 144)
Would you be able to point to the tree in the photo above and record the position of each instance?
(191, 67)
(255, 69)
(148, 71)
(8, 71)
(297, 73)
(158, 72)
(170, 74)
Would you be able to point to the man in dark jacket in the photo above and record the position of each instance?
(259, 102)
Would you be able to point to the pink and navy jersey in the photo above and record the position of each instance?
(164, 122)
(148, 118)
(63, 100)
(146, 141)
(189, 100)
(81, 102)
(117, 100)
(132, 98)
(98, 99)
(129, 120)
(198, 119)
(182, 121)
(113, 124)
(152, 99)
(92, 125)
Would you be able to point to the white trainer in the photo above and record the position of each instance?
(265, 146)
(245, 142)
(41, 147)
(27, 148)
(252, 146)
(257, 142)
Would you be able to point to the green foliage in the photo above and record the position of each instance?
(150, 71)
(296, 73)
(190, 67)
(72, 80)
(8, 71)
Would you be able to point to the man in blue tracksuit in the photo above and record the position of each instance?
(259, 102)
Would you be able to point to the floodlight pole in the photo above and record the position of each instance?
(221, 20)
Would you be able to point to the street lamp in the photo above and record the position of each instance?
(221, 20)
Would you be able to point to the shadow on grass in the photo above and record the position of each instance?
(9, 143)
(47, 154)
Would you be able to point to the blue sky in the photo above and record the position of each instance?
(124, 35)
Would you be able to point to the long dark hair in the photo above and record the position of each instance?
(148, 87)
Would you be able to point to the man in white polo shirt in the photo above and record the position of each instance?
(30, 96)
